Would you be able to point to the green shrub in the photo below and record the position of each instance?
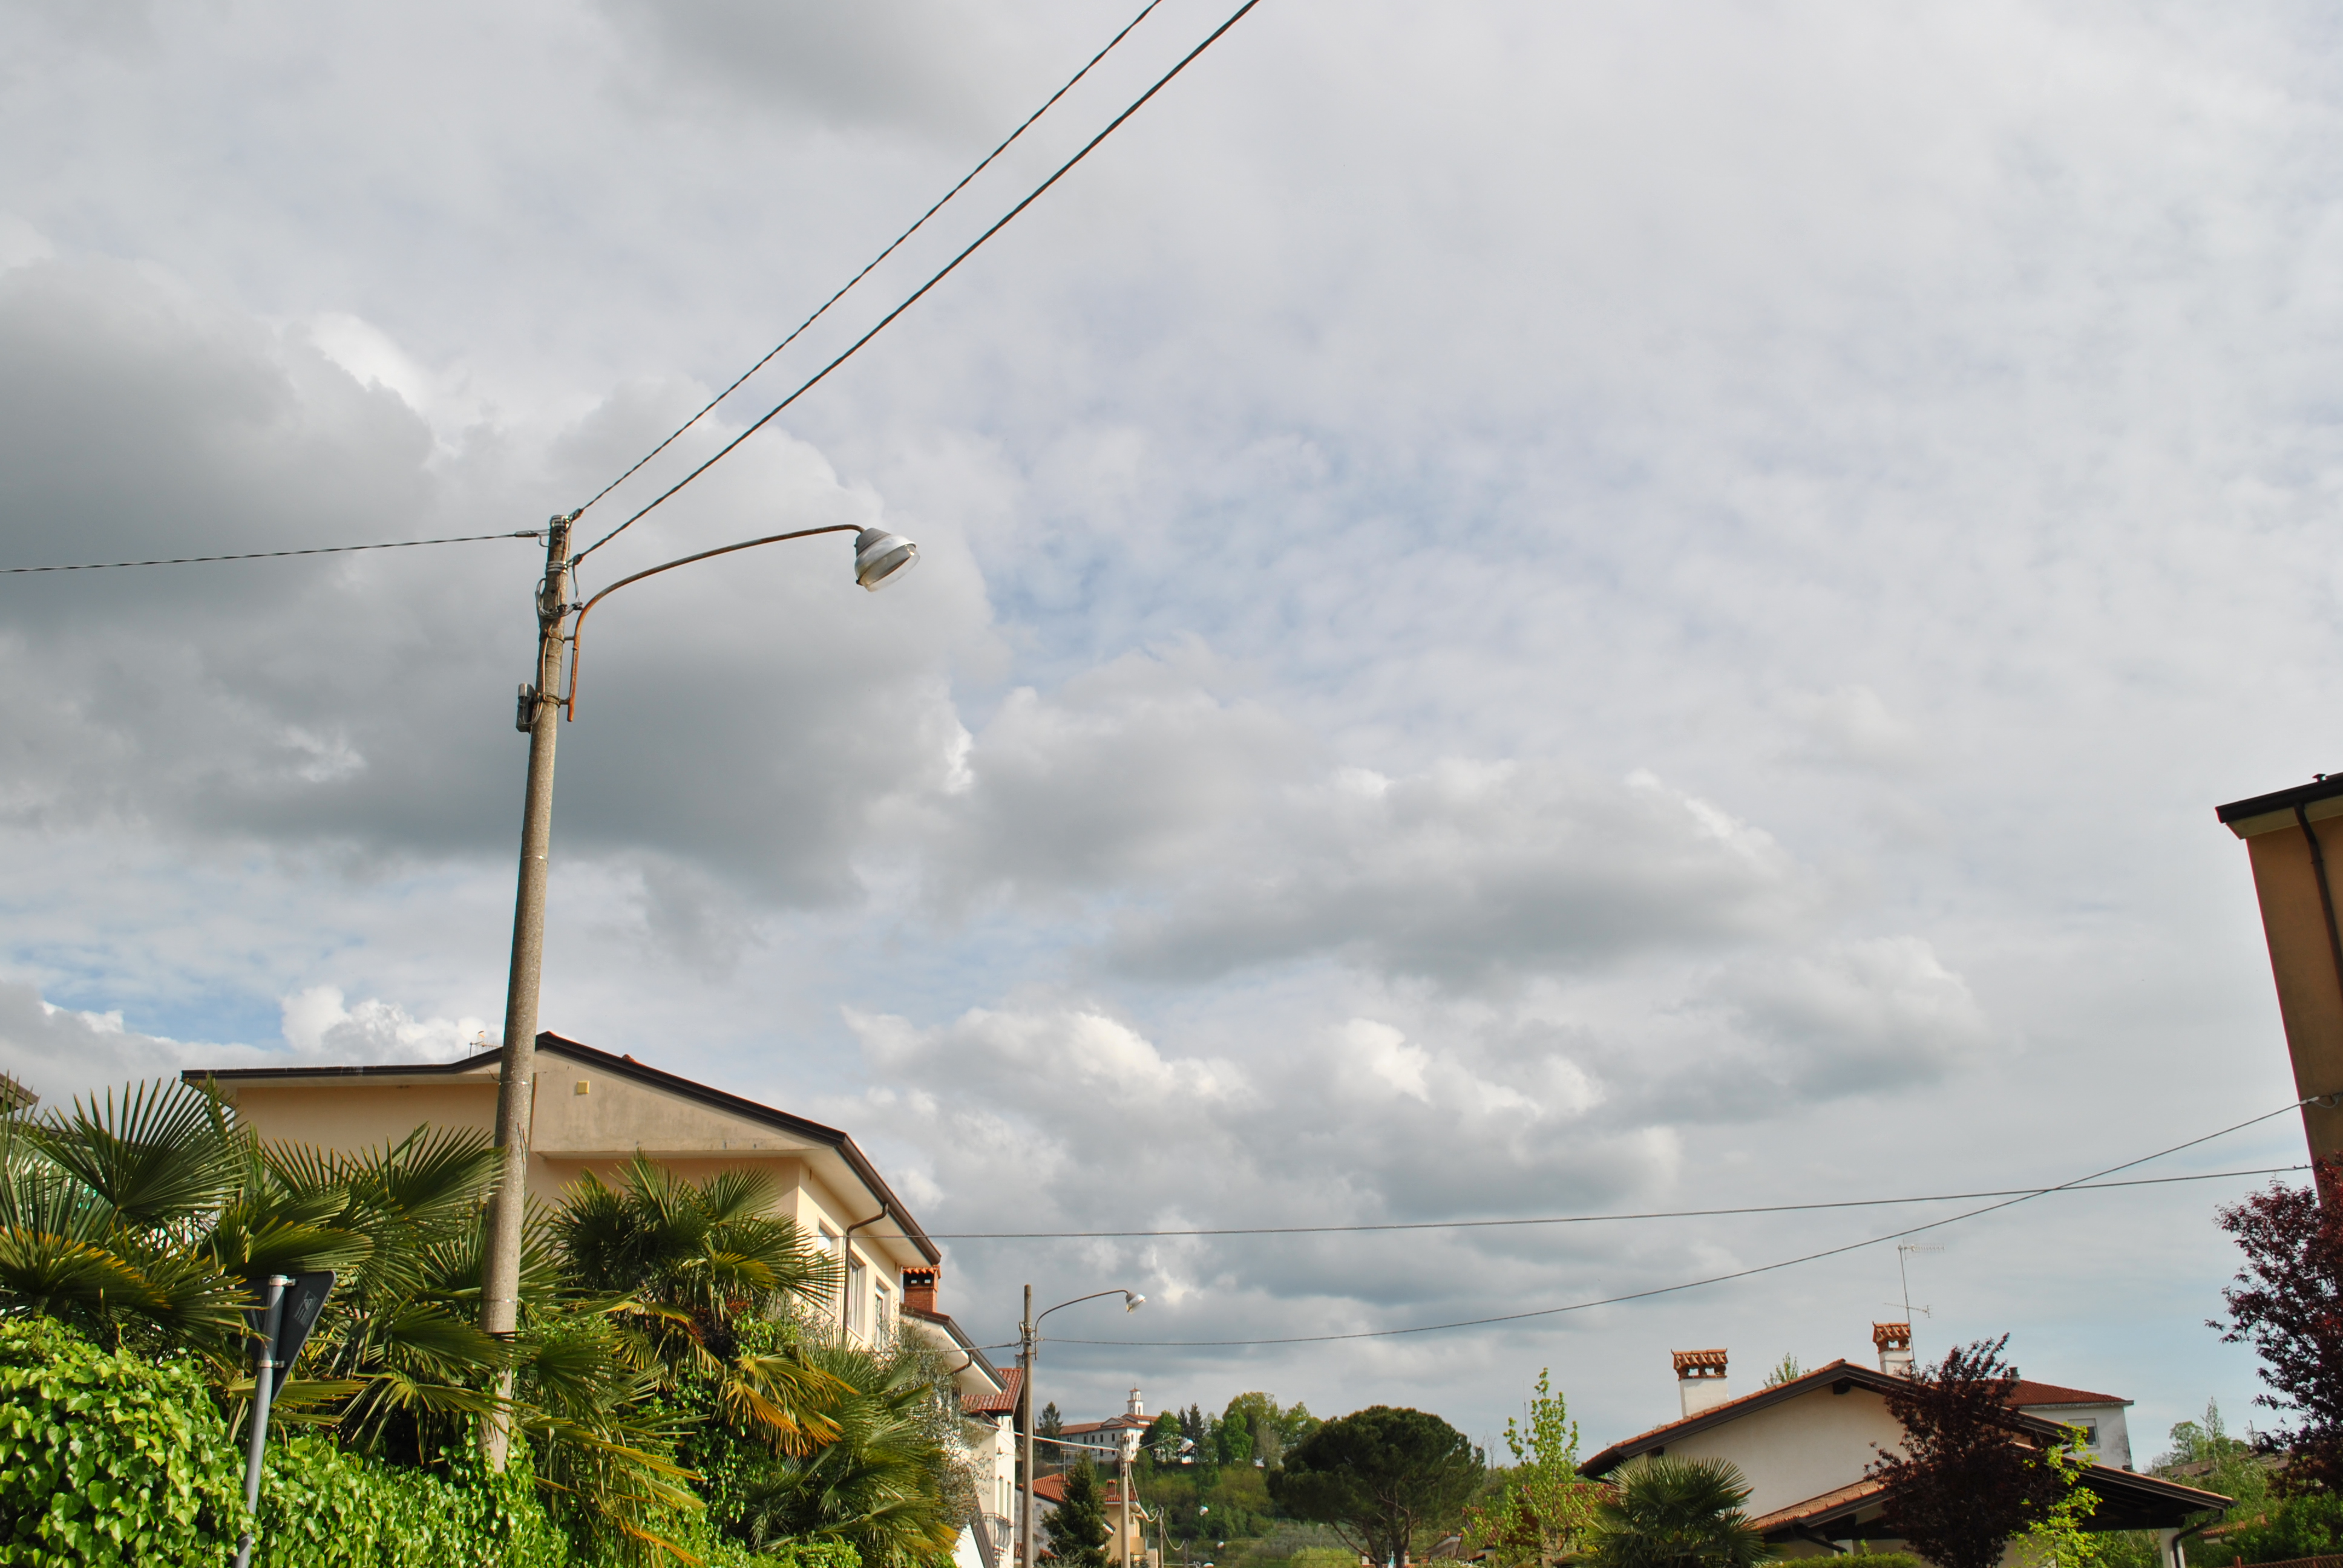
(321, 1507)
(2310, 1525)
(107, 1458)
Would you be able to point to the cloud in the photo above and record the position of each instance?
(1857, 1017)
(1221, 843)
(59, 1052)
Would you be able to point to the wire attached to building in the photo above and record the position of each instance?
(897, 244)
(274, 555)
(810, 382)
(1688, 1284)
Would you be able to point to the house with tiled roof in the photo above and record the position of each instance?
(1802, 1445)
(591, 1111)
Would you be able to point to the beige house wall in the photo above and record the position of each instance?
(585, 1119)
(1801, 1448)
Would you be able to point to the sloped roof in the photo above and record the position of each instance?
(1001, 1403)
(625, 1067)
(2128, 1500)
(1841, 1371)
(2029, 1394)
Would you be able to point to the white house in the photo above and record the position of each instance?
(1802, 1446)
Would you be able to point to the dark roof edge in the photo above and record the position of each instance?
(945, 1321)
(198, 1075)
(688, 1089)
(2325, 789)
(1878, 1382)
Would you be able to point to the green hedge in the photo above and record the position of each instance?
(107, 1458)
(110, 1459)
(321, 1507)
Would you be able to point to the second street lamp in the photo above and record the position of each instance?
(1028, 1340)
(880, 558)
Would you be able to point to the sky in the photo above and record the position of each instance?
(1525, 610)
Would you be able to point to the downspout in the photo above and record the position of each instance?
(2179, 1556)
(2334, 936)
(2326, 893)
(846, 1243)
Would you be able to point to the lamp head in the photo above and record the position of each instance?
(879, 558)
(1132, 1303)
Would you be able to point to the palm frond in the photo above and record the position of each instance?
(162, 1152)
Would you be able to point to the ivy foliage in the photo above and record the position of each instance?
(322, 1506)
(107, 1457)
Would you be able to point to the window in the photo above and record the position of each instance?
(886, 1314)
(858, 1294)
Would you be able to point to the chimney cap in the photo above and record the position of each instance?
(1892, 1336)
(1699, 1363)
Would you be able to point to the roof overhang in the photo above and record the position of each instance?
(2128, 1500)
(2318, 800)
(483, 1065)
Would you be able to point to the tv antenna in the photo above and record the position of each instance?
(1904, 1250)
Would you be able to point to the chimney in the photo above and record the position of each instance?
(920, 1290)
(1700, 1380)
(1134, 1405)
(1895, 1343)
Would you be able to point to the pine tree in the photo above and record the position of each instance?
(1193, 1428)
(1077, 1531)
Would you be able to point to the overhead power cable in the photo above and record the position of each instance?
(1580, 1219)
(273, 555)
(982, 164)
(1688, 1284)
(814, 380)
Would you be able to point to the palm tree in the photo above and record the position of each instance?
(679, 1265)
(1666, 1511)
(147, 1219)
(888, 1484)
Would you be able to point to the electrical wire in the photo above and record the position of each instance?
(273, 555)
(1688, 1284)
(982, 164)
(1583, 1219)
(918, 294)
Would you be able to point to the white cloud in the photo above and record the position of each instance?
(1672, 587)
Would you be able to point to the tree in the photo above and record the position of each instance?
(1664, 1512)
(1381, 1478)
(1051, 1423)
(1966, 1481)
(889, 1484)
(1077, 1526)
(1199, 1435)
(2288, 1304)
(1544, 1504)
(2061, 1539)
(1161, 1443)
(1232, 1437)
(1788, 1371)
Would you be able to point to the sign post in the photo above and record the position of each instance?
(288, 1311)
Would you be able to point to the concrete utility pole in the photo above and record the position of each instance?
(1027, 1556)
(880, 558)
(1129, 1442)
(540, 715)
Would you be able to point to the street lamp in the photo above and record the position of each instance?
(879, 558)
(1029, 1342)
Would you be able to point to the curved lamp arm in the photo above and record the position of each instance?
(1132, 1301)
(578, 632)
